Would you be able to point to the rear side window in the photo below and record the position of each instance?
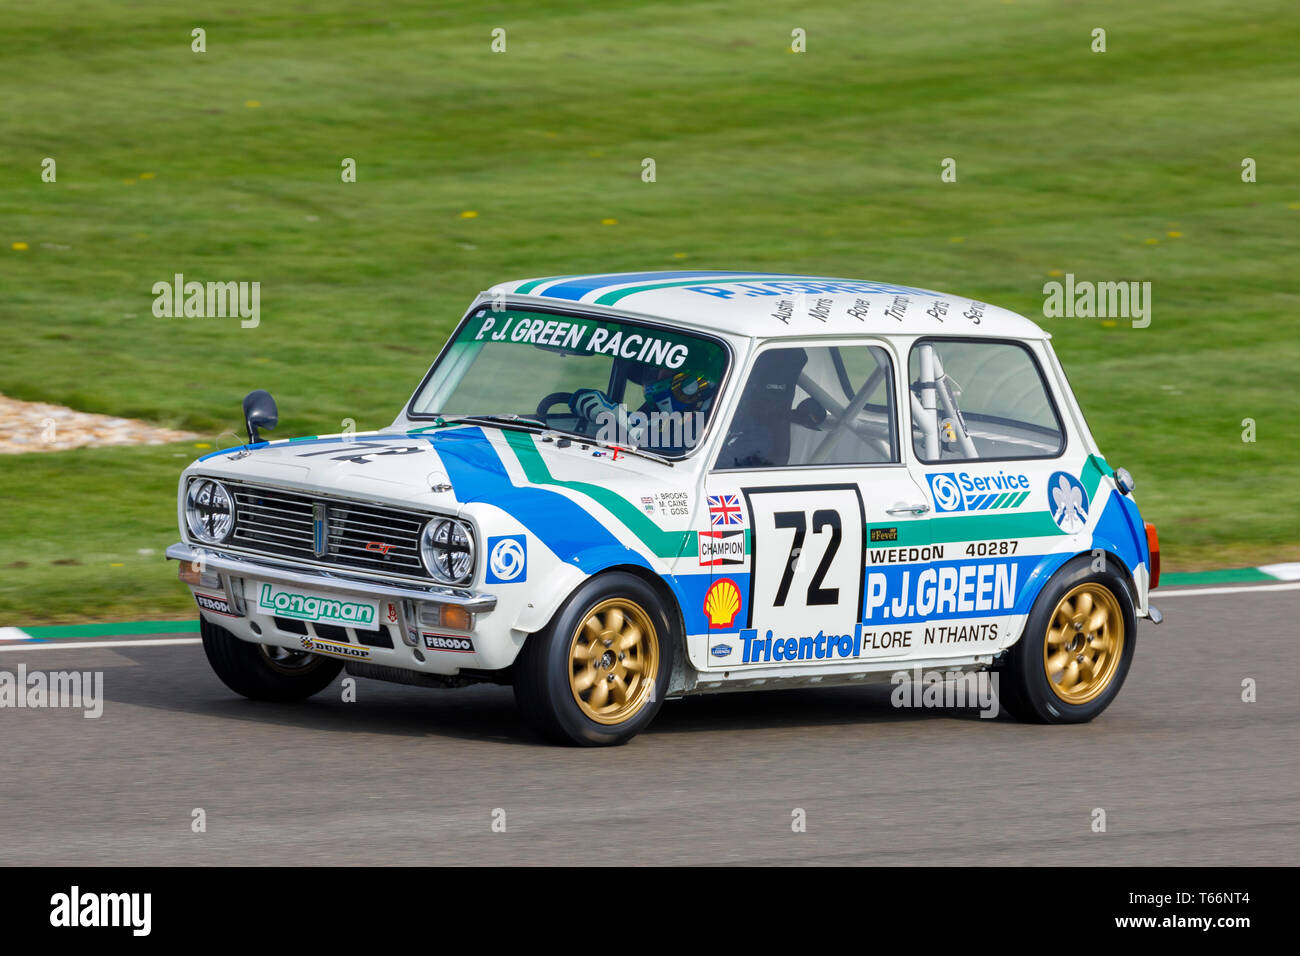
(974, 400)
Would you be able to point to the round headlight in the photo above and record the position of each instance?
(1124, 481)
(447, 548)
(209, 511)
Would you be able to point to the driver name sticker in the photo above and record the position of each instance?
(673, 503)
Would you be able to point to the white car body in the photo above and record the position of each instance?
(947, 582)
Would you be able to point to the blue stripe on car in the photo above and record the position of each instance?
(577, 288)
(478, 474)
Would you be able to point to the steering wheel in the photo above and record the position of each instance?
(554, 398)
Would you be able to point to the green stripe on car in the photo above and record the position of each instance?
(661, 543)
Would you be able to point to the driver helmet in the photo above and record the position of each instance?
(683, 391)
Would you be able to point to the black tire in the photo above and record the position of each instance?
(1025, 688)
(247, 669)
(543, 689)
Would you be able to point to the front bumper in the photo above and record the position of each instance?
(413, 633)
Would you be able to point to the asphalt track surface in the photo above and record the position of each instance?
(1186, 772)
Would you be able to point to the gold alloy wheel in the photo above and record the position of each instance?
(1084, 643)
(613, 661)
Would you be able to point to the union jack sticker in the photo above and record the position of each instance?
(724, 510)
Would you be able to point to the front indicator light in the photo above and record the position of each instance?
(456, 617)
(190, 574)
(446, 615)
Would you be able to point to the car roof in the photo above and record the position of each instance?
(775, 305)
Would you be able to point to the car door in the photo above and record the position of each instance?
(809, 480)
(988, 445)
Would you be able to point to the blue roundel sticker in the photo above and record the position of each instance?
(507, 559)
(1068, 502)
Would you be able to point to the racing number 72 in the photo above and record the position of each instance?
(823, 518)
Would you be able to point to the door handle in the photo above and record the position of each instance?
(902, 509)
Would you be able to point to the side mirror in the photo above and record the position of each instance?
(259, 412)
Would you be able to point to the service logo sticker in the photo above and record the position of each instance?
(507, 559)
(1069, 502)
(962, 491)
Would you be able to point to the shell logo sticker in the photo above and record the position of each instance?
(722, 603)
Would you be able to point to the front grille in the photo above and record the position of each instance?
(367, 537)
(290, 625)
(379, 637)
(331, 632)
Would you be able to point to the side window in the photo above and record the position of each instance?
(972, 400)
(828, 405)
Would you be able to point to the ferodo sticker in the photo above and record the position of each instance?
(215, 604)
(448, 642)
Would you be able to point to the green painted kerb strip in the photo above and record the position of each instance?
(56, 631)
(1224, 576)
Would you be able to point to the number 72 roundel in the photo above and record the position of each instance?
(807, 558)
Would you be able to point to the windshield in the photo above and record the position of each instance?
(614, 381)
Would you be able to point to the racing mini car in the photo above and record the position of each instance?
(612, 490)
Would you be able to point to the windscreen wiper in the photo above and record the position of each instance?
(500, 421)
(533, 426)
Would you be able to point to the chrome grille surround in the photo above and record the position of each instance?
(327, 530)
